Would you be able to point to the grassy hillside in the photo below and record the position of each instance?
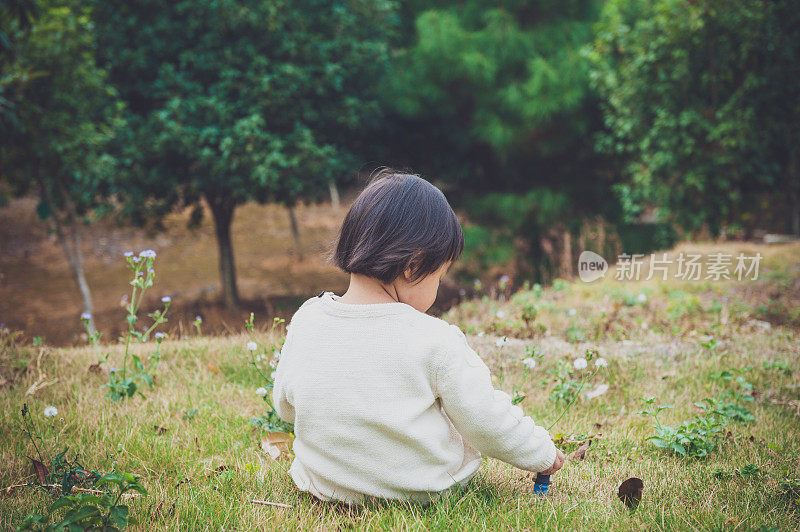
(192, 441)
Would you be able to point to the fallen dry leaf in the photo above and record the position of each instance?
(275, 443)
(630, 492)
(41, 470)
(580, 453)
(212, 368)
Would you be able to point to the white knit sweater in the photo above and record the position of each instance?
(392, 402)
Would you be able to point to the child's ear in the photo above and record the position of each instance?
(407, 272)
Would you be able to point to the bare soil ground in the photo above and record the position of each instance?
(39, 296)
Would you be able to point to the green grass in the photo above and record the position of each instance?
(180, 467)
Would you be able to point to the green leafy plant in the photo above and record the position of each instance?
(691, 439)
(748, 470)
(87, 500)
(98, 509)
(777, 365)
(728, 410)
(122, 382)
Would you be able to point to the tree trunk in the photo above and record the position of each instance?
(295, 233)
(222, 209)
(71, 245)
(76, 264)
(334, 193)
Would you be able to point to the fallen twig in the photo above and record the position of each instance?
(269, 503)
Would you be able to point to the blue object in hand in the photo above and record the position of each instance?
(541, 484)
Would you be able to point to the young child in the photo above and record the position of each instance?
(386, 400)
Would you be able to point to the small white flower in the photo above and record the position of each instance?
(261, 392)
(272, 375)
(580, 363)
(136, 259)
(252, 346)
(198, 319)
(529, 362)
(273, 363)
(500, 341)
(148, 254)
(644, 325)
(641, 298)
(86, 316)
(166, 299)
(601, 363)
(481, 333)
(128, 253)
(571, 312)
(500, 314)
(477, 284)
(50, 411)
(159, 335)
(504, 279)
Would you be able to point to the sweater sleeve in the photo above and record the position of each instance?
(279, 398)
(485, 416)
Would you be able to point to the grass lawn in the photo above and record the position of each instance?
(191, 442)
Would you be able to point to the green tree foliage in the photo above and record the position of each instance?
(65, 116)
(16, 18)
(494, 95)
(702, 105)
(494, 99)
(234, 100)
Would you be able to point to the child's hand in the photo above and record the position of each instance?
(558, 464)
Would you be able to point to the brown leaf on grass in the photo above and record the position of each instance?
(630, 492)
(41, 470)
(81, 475)
(212, 368)
(160, 430)
(580, 453)
(95, 368)
(275, 443)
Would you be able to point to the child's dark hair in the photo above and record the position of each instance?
(398, 221)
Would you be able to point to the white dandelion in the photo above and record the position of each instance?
(529, 362)
(50, 411)
(261, 392)
(601, 363)
(580, 363)
(500, 342)
(252, 346)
